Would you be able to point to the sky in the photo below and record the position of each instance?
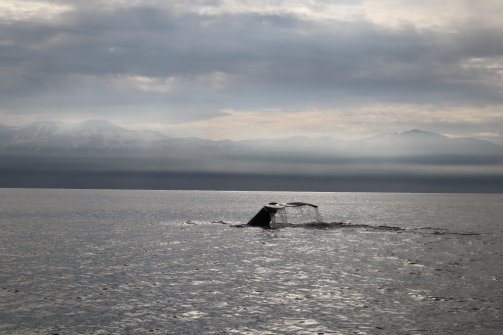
(225, 69)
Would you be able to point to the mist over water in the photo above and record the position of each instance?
(173, 262)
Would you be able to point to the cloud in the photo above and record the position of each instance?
(31, 11)
(345, 122)
(487, 71)
(212, 81)
(198, 63)
(447, 15)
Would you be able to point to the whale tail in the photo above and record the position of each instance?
(274, 215)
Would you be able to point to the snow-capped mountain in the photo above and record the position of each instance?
(99, 127)
(101, 134)
(99, 154)
(95, 137)
(91, 135)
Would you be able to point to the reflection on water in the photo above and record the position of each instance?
(100, 262)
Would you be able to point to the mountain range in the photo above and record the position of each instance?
(99, 154)
(102, 138)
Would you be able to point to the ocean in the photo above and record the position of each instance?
(178, 262)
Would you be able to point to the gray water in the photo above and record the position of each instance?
(173, 262)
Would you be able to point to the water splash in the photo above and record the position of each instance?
(288, 216)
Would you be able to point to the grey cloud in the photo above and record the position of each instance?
(274, 59)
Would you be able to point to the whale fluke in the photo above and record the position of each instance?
(276, 214)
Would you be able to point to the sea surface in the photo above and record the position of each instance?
(177, 262)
